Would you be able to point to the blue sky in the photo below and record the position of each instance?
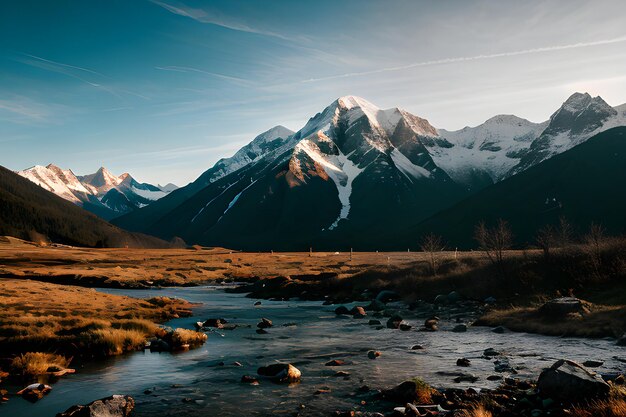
(163, 89)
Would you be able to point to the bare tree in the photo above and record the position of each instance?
(494, 241)
(432, 244)
(565, 233)
(547, 239)
(594, 241)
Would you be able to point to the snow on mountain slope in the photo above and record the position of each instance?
(493, 147)
(578, 119)
(351, 136)
(60, 182)
(101, 192)
(101, 181)
(265, 143)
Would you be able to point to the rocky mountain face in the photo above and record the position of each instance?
(102, 193)
(581, 185)
(31, 212)
(355, 172)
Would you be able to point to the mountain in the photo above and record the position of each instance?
(267, 142)
(352, 171)
(355, 173)
(99, 192)
(578, 119)
(168, 188)
(28, 211)
(485, 154)
(582, 184)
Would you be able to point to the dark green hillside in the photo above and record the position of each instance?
(28, 211)
(585, 184)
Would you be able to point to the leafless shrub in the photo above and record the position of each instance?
(494, 241)
(432, 244)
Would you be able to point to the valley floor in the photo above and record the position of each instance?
(46, 304)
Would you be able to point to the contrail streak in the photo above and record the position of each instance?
(471, 58)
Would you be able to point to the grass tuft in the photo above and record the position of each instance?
(38, 363)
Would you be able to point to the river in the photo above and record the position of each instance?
(194, 383)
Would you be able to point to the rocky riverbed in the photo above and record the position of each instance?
(347, 361)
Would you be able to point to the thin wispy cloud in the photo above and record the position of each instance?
(76, 72)
(216, 18)
(212, 74)
(470, 58)
(60, 68)
(23, 110)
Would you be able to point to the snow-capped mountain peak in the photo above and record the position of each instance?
(90, 190)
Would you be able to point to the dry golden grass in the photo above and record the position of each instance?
(37, 363)
(613, 407)
(184, 337)
(37, 316)
(111, 267)
(423, 392)
(601, 321)
(477, 410)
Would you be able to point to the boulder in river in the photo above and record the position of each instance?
(280, 372)
(431, 324)
(358, 312)
(247, 379)
(405, 327)
(460, 328)
(216, 323)
(387, 295)
(561, 307)
(454, 297)
(373, 354)
(342, 310)
(394, 322)
(463, 362)
(336, 362)
(35, 392)
(265, 323)
(375, 305)
(414, 391)
(466, 378)
(114, 406)
(489, 352)
(498, 330)
(570, 381)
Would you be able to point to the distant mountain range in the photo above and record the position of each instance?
(101, 193)
(356, 175)
(583, 185)
(30, 212)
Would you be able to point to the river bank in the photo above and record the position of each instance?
(308, 335)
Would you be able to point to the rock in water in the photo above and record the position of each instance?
(569, 381)
(114, 406)
(394, 322)
(561, 307)
(375, 305)
(342, 310)
(358, 312)
(463, 362)
(387, 295)
(264, 323)
(35, 392)
(373, 354)
(281, 372)
(460, 328)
